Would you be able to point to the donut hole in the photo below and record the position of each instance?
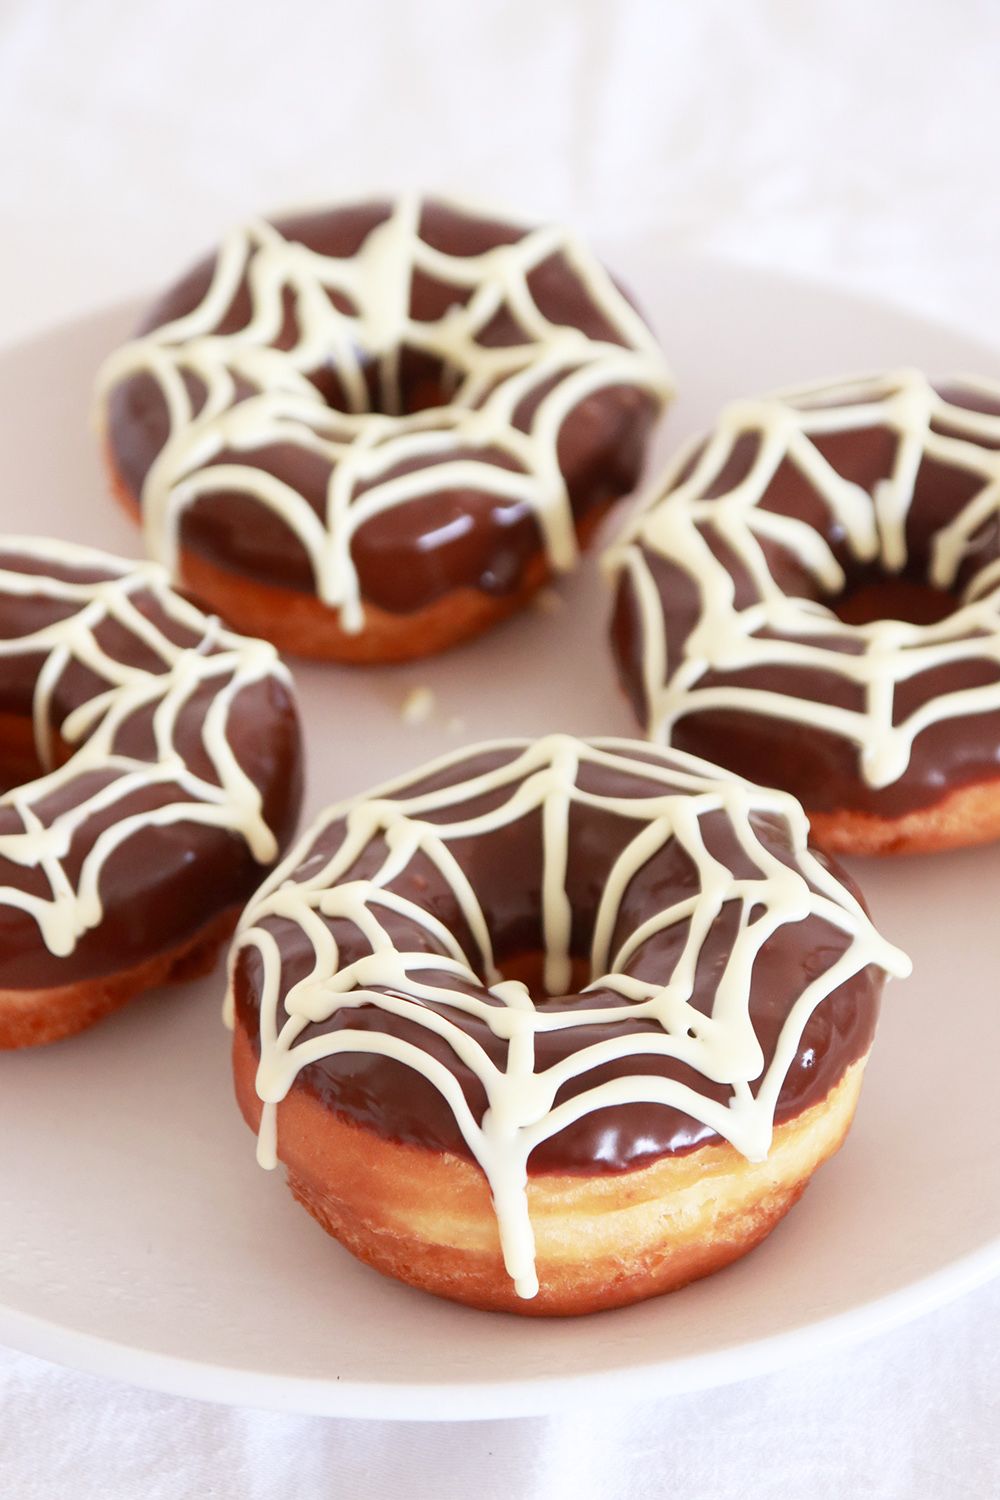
(871, 592)
(529, 970)
(868, 460)
(398, 385)
(893, 598)
(506, 868)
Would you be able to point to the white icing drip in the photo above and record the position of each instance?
(544, 778)
(72, 908)
(882, 655)
(360, 446)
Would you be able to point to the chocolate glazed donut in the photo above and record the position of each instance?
(153, 773)
(812, 598)
(554, 1026)
(370, 431)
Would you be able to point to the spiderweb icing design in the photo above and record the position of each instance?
(256, 395)
(679, 521)
(318, 890)
(94, 599)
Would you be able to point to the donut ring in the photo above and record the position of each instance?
(756, 592)
(157, 775)
(407, 1043)
(370, 432)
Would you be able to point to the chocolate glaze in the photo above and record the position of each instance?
(408, 556)
(817, 766)
(504, 868)
(163, 884)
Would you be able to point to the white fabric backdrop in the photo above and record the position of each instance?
(912, 1416)
(854, 141)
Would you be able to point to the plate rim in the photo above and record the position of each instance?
(491, 1400)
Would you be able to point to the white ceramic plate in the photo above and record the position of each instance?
(139, 1239)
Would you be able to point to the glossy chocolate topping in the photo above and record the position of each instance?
(900, 491)
(460, 526)
(164, 762)
(507, 863)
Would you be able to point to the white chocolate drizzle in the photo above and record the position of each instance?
(71, 906)
(774, 629)
(543, 778)
(488, 385)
